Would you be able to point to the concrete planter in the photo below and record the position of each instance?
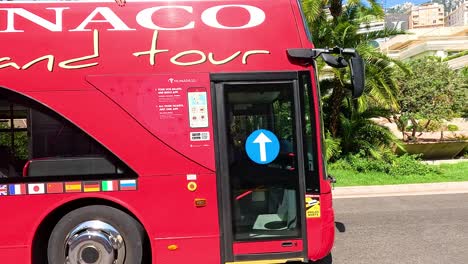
(436, 150)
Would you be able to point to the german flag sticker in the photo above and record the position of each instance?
(91, 186)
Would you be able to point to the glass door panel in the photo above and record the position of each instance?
(264, 197)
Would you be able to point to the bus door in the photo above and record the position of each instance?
(260, 167)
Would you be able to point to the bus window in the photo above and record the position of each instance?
(13, 138)
(35, 141)
(312, 180)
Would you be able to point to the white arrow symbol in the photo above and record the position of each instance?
(262, 140)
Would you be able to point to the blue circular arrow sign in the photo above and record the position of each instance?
(262, 146)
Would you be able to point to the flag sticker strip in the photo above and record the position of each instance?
(55, 187)
(68, 187)
(72, 187)
(3, 190)
(128, 185)
(17, 189)
(36, 188)
(91, 186)
(108, 186)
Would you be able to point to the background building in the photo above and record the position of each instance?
(397, 21)
(441, 41)
(427, 16)
(426, 32)
(459, 16)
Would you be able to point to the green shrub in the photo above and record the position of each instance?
(360, 163)
(341, 164)
(411, 165)
(452, 127)
(424, 127)
(389, 163)
(433, 126)
(332, 147)
(366, 164)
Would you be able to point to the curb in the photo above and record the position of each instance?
(450, 161)
(400, 190)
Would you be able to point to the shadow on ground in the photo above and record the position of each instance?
(340, 226)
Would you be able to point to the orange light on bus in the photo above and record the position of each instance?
(200, 202)
(172, 247)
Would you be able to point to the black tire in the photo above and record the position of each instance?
(130, 230)
(326, 260)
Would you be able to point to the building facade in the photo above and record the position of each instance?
(427, 16)
(439, 41)
(397, 21)
(459, 16)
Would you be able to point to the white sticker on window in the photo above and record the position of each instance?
(198, 109)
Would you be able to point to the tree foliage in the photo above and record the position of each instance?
(331, 26)
(432, 91)
(348, 120)
(20, 146)
(360, 134)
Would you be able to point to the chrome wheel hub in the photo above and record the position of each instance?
(94, 242)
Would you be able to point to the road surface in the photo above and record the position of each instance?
(426, 229)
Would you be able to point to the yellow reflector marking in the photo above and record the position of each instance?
(192, 186)
(267, 261)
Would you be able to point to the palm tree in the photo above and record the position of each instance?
(360, 134)
(332, 24)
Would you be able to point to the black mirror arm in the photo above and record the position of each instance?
(312, 54)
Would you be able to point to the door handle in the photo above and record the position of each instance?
(287, 244)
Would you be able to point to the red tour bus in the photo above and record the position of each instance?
(162, 132)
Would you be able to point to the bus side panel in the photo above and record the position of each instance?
(328, 228)
(169, 208)
(321, 231)
(100, 117)
(204, 250)
(202, 48)
(16, 255)
(163, 204)
(301, 24)
(173, 107)
(172, 218)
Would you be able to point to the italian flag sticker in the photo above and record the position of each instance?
(108, 186)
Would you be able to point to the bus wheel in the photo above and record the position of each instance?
(326, 260)
(96, 235)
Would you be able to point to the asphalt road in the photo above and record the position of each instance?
(429, 229)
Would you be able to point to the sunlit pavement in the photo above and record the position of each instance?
(401, 190)
(422, 229)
